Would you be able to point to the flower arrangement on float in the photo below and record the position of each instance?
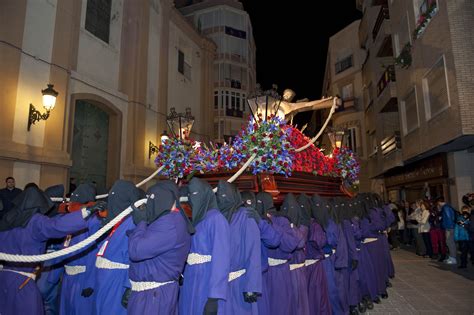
(271, 140)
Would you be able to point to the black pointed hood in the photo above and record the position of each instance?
(161, 198)
(122, 195)
(84, 193)
(305, 209)
(228, 199)
(29, 202)
(291, 209)
(201, 198)
(249, 199)
(320, 210)
(265, 204)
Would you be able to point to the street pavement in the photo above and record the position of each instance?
(425, 286)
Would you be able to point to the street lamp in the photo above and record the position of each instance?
(49, 100)
(336, 136)
(180, 124)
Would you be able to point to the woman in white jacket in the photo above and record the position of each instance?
(424, 227)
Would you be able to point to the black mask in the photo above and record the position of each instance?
(29, 202)
(201, 198)
(228, 199)
(320, 210)
(122, 195)
(265, 204)
(291, 209)
(249, 199)
(84, 193)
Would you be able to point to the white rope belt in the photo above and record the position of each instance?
(26, 274)
(332, 253)
(358, 249)
(196, 259)
(147, 285)
(369, 240)
(309, 262)
(276, 262)
(74, 270)
(296, 266)
(236, 274)
(104, 263)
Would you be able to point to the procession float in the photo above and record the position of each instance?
(268, 154)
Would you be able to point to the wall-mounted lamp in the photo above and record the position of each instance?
(152, 149)
(336, 136)
(49, 100)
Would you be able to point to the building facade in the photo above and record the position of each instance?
(343, 77)
(418, 96)
(227, 24)
(118, 67)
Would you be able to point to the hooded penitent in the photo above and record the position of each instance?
(320, 210)
(162, 198)
(264, 204)
(228, 199)
(84, 193)
(25, 205)
(305, 209)
(201, 198)
(122, 194)
(56, 191)
(291, 209)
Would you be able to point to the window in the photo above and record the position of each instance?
(435, 89)
(180, 62)
(244, 102)
(227, 103)
(98, 18)
(343, 64)
(347, 92)
(352, 139)
(409, 109)
(216, 99)
(237, 98)
(233, 100)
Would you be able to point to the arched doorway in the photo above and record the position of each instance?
(95, 142)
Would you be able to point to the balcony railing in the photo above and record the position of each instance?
(391, 144)
(387, 77)
(383, 14)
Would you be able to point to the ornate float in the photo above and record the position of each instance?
(269, 153)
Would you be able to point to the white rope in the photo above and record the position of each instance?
(80, 245)
(331, 112)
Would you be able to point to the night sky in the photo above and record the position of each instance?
(292, 41)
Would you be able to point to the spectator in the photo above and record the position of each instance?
(407, 211)
(424, 228)
(7, 194)
(448, 215)
(437, 235)
(401, 224)
(461, 234)
(393, 231)
(413, 226)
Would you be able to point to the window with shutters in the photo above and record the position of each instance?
(180, 62)
(409, 109)
(435, 89)
(98, 18)
(351, 139)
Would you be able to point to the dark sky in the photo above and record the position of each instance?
(292, 40)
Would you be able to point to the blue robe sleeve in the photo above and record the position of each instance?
(253, 274)
(146, 242)
(44, 228)
(289, 239)
(317, 237)
(219, 237)
(270, 237)
(351, 242)
(302, 232)
(342, 259)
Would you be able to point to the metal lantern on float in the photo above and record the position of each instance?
(265, 103)
(336, 136)
(180, 124)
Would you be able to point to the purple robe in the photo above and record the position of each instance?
(30, 240)
(72, 302)
(279, 295)
(317, 283)
(110, 284)
(246, 258)
(329, 263)
(210, 279)
(353, 291)
(367, 276)
(389, 219)
(158, 253)
(270, 238)
(341, 265)
(299, 294)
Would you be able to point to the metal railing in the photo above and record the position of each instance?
(383, 14)
(387, 77)
(391, 144)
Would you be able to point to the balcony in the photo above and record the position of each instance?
(382, 16)
(390, 144)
